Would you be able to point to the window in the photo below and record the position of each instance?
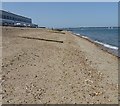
(3, 16)
(7, 17)
(10, 17)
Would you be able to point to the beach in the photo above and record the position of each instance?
(41, 65)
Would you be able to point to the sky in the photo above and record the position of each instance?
(67, 14)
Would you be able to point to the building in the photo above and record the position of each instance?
(11, 19)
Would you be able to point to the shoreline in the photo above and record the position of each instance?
(114, 52)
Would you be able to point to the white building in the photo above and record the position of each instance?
(11, 19)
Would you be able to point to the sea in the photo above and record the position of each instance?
(107, 37)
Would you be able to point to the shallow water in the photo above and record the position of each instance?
(105, 36)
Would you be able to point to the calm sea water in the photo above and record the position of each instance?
(105, 36)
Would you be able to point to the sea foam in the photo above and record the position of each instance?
(107, 45)
(103, 44)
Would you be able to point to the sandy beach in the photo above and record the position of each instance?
(55, 67)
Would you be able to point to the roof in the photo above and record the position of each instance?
(14, 14)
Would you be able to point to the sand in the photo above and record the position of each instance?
(44, 66)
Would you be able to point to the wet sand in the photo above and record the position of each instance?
(45, 66)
